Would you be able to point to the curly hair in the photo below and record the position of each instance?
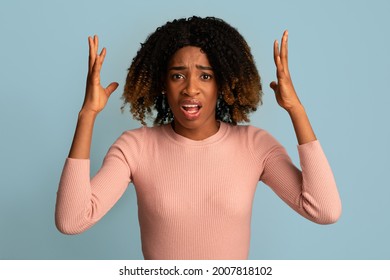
(236, 75)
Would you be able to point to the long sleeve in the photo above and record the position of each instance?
(195, 197)
(311, 191)
(82, 201)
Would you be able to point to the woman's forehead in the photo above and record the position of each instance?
(189, 55)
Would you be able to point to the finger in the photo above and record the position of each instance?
(111, 88)
(96, 41)
(278, 63)
(284, 51)
(103, 53)
(93, 50)
(98, 66)
(276, 52)
(92, 54)
(99, 61)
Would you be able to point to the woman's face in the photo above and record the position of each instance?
(192, 93)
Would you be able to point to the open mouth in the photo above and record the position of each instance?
(191, 109)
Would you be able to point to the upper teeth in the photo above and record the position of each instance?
(192, 106)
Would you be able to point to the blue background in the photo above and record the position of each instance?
(339, 61)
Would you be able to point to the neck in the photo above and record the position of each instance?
(197, 134)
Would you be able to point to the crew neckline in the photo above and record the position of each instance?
(219, 135)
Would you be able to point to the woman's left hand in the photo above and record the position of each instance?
(284, 90)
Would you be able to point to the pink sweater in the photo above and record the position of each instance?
(195, 197)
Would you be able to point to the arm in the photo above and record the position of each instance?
(82, 201)
(287, 97)
(311, 192)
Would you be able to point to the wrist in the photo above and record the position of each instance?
(86, 113)
(296, 110)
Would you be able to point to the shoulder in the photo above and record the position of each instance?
(260, 142)
(135, 139)
(139, 133)
(131, 145)
(252, 134)
(130, 136)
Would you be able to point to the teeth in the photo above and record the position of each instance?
(190, 106)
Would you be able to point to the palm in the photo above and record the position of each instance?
(96, 96)
(284, 90)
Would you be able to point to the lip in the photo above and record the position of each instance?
(190, 102)
(189, 114)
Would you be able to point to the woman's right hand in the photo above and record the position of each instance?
(96, 96)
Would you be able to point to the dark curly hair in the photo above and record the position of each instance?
(237, 77)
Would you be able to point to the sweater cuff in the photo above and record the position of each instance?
(311, 154)
(77, 164)
(309, 145)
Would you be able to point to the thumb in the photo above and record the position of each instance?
(274, 86)
(111, 88)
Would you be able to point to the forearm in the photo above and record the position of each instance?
(302, 127)
(81, 145)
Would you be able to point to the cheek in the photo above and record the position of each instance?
(172, 90)
(214, 96)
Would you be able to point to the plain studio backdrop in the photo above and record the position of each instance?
(340, 67)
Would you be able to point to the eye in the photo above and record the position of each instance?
(206, 77)
(177, 76)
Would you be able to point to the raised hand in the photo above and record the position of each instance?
(95, 99)
(284, 90)
(96, 96)
(287, 97)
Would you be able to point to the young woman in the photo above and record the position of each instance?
(196, 171)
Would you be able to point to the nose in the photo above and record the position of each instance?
(191, 88)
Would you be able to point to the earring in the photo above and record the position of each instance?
(163, 92)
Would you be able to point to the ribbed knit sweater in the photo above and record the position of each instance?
(195, 197)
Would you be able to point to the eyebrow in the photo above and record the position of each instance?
(200, 67)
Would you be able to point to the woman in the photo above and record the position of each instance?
(196, 171)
